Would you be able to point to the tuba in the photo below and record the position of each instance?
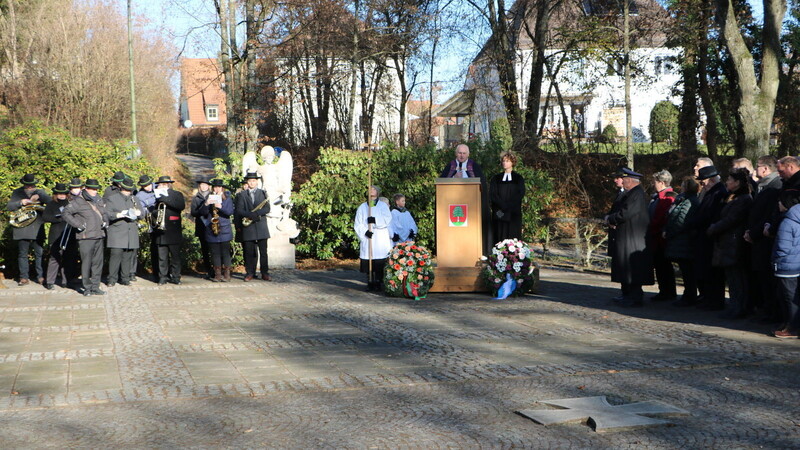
(25, 215)
(160, 222)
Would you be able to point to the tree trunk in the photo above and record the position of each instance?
(400, 67)
(687, 121)
(504, 60)
(756, 98)
(539, 38)
(225, 20)
(626, 49)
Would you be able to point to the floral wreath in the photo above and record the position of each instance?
(510, 260)
(409, 271)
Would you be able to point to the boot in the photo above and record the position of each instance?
(226, 273)
(217, 274)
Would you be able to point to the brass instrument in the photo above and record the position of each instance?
(215, 227)
(246, 222)
(144, 224)
(25, 215)
(161, 217)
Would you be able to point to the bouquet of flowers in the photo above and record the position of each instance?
(409, 271)
(509, 269)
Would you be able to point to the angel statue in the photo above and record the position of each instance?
(277, 181)
(250, 163)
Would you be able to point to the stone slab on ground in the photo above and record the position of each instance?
(310, 360)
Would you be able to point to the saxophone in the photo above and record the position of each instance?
(25, 215)
(246, 222)
(215, 227)
(161, 217)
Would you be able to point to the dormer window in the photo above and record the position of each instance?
(212, 113)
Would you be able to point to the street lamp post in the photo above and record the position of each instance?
(130, 70)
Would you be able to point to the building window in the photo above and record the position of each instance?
(663, 65)
(212, 113)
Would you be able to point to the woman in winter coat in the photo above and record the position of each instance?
(216, 214)
(786, 258)
(729, 244)
(679, 238)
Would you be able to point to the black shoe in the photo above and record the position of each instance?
(111, 284)
(660, 297)
(125, 283)
(48, 286)
(710, 307)
(631, 303)
(87, 292)
(98, 292)
(175, 281)
(618, 298)
(684, 302)
(162, 282)
(133, 278)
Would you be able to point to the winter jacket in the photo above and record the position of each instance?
(786, 255)
(728, 232)
(679, 237)
(764, 203)
(659, 209)
(87, 215)
(225, 225)
(35, 230)
(122, 232)
(173, 234)
(244, 208)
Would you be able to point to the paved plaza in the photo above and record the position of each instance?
(312, 361)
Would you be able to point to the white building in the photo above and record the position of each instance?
(590, 83)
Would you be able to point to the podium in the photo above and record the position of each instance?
(459, 235)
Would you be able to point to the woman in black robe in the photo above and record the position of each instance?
(507, 189)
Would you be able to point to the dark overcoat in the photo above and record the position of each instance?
(506, 197)
(197, 201)
(173, 234)
(88, 214)
(765, 202)
(35, 230)
(679, 237)
(225, 215)
(124, 232)
(244, 208)
(633, 261)
(707, 213)
(728, 231)
(52, 215)
(612, 232)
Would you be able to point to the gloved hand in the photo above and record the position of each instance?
(81, 230)
(253, 216)
(396, 237)
(412, 235)
(368, 234)
(370, 219)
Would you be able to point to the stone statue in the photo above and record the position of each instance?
(249, 162)
(276, 179)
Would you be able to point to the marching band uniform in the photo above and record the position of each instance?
(199, 226)
(31, 235)
(87, 214)
(169, 240)
(123, 210)
(147, 198)
(380, 219)
(219, 244)
(253, 237)
(63, 257)
(116, 179)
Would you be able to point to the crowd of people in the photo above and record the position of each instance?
(742, 231)
(85, 223)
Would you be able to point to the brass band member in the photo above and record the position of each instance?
(169, 204)
(251, 207)
(63, 257)
(31, 235)
(124, 211)
(215, 215)
(203, 189)
(86, 213)
(147, 198)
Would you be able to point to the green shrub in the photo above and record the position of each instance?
(500, 132)
(608, 136)
(664, 122)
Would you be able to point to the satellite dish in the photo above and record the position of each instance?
(187, 123)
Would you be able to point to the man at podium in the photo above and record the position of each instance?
(462, 166)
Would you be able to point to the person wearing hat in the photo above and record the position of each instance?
(115, 180)
(63, 257)
(203, 189)
(86, 213)
(31, 235)
(215, 214)
(147, 198)
(168, 240)
(251, 203)
(710, 279)
(632, 264)
(124, 211)
(612, 232)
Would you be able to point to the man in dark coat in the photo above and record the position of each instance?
(168, 240)
(63, 257)
(86, 213)
(765, 201)
(612, 231)
(199, 199)
(251, 204)
(124, 211)
(710, 279)
(632, 265)
(115, 180)
(31, 235)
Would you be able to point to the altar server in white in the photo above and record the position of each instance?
(403, 227)
(372, 228)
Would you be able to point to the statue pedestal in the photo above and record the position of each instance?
(280, 252)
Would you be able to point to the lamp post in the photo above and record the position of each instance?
(130, 71)
(188, 125)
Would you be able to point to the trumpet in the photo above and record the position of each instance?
(25, 215)
(246, 222)
(161, 217)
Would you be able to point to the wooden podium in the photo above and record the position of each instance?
(459, 235)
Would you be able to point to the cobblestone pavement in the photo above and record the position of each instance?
(312, 361)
